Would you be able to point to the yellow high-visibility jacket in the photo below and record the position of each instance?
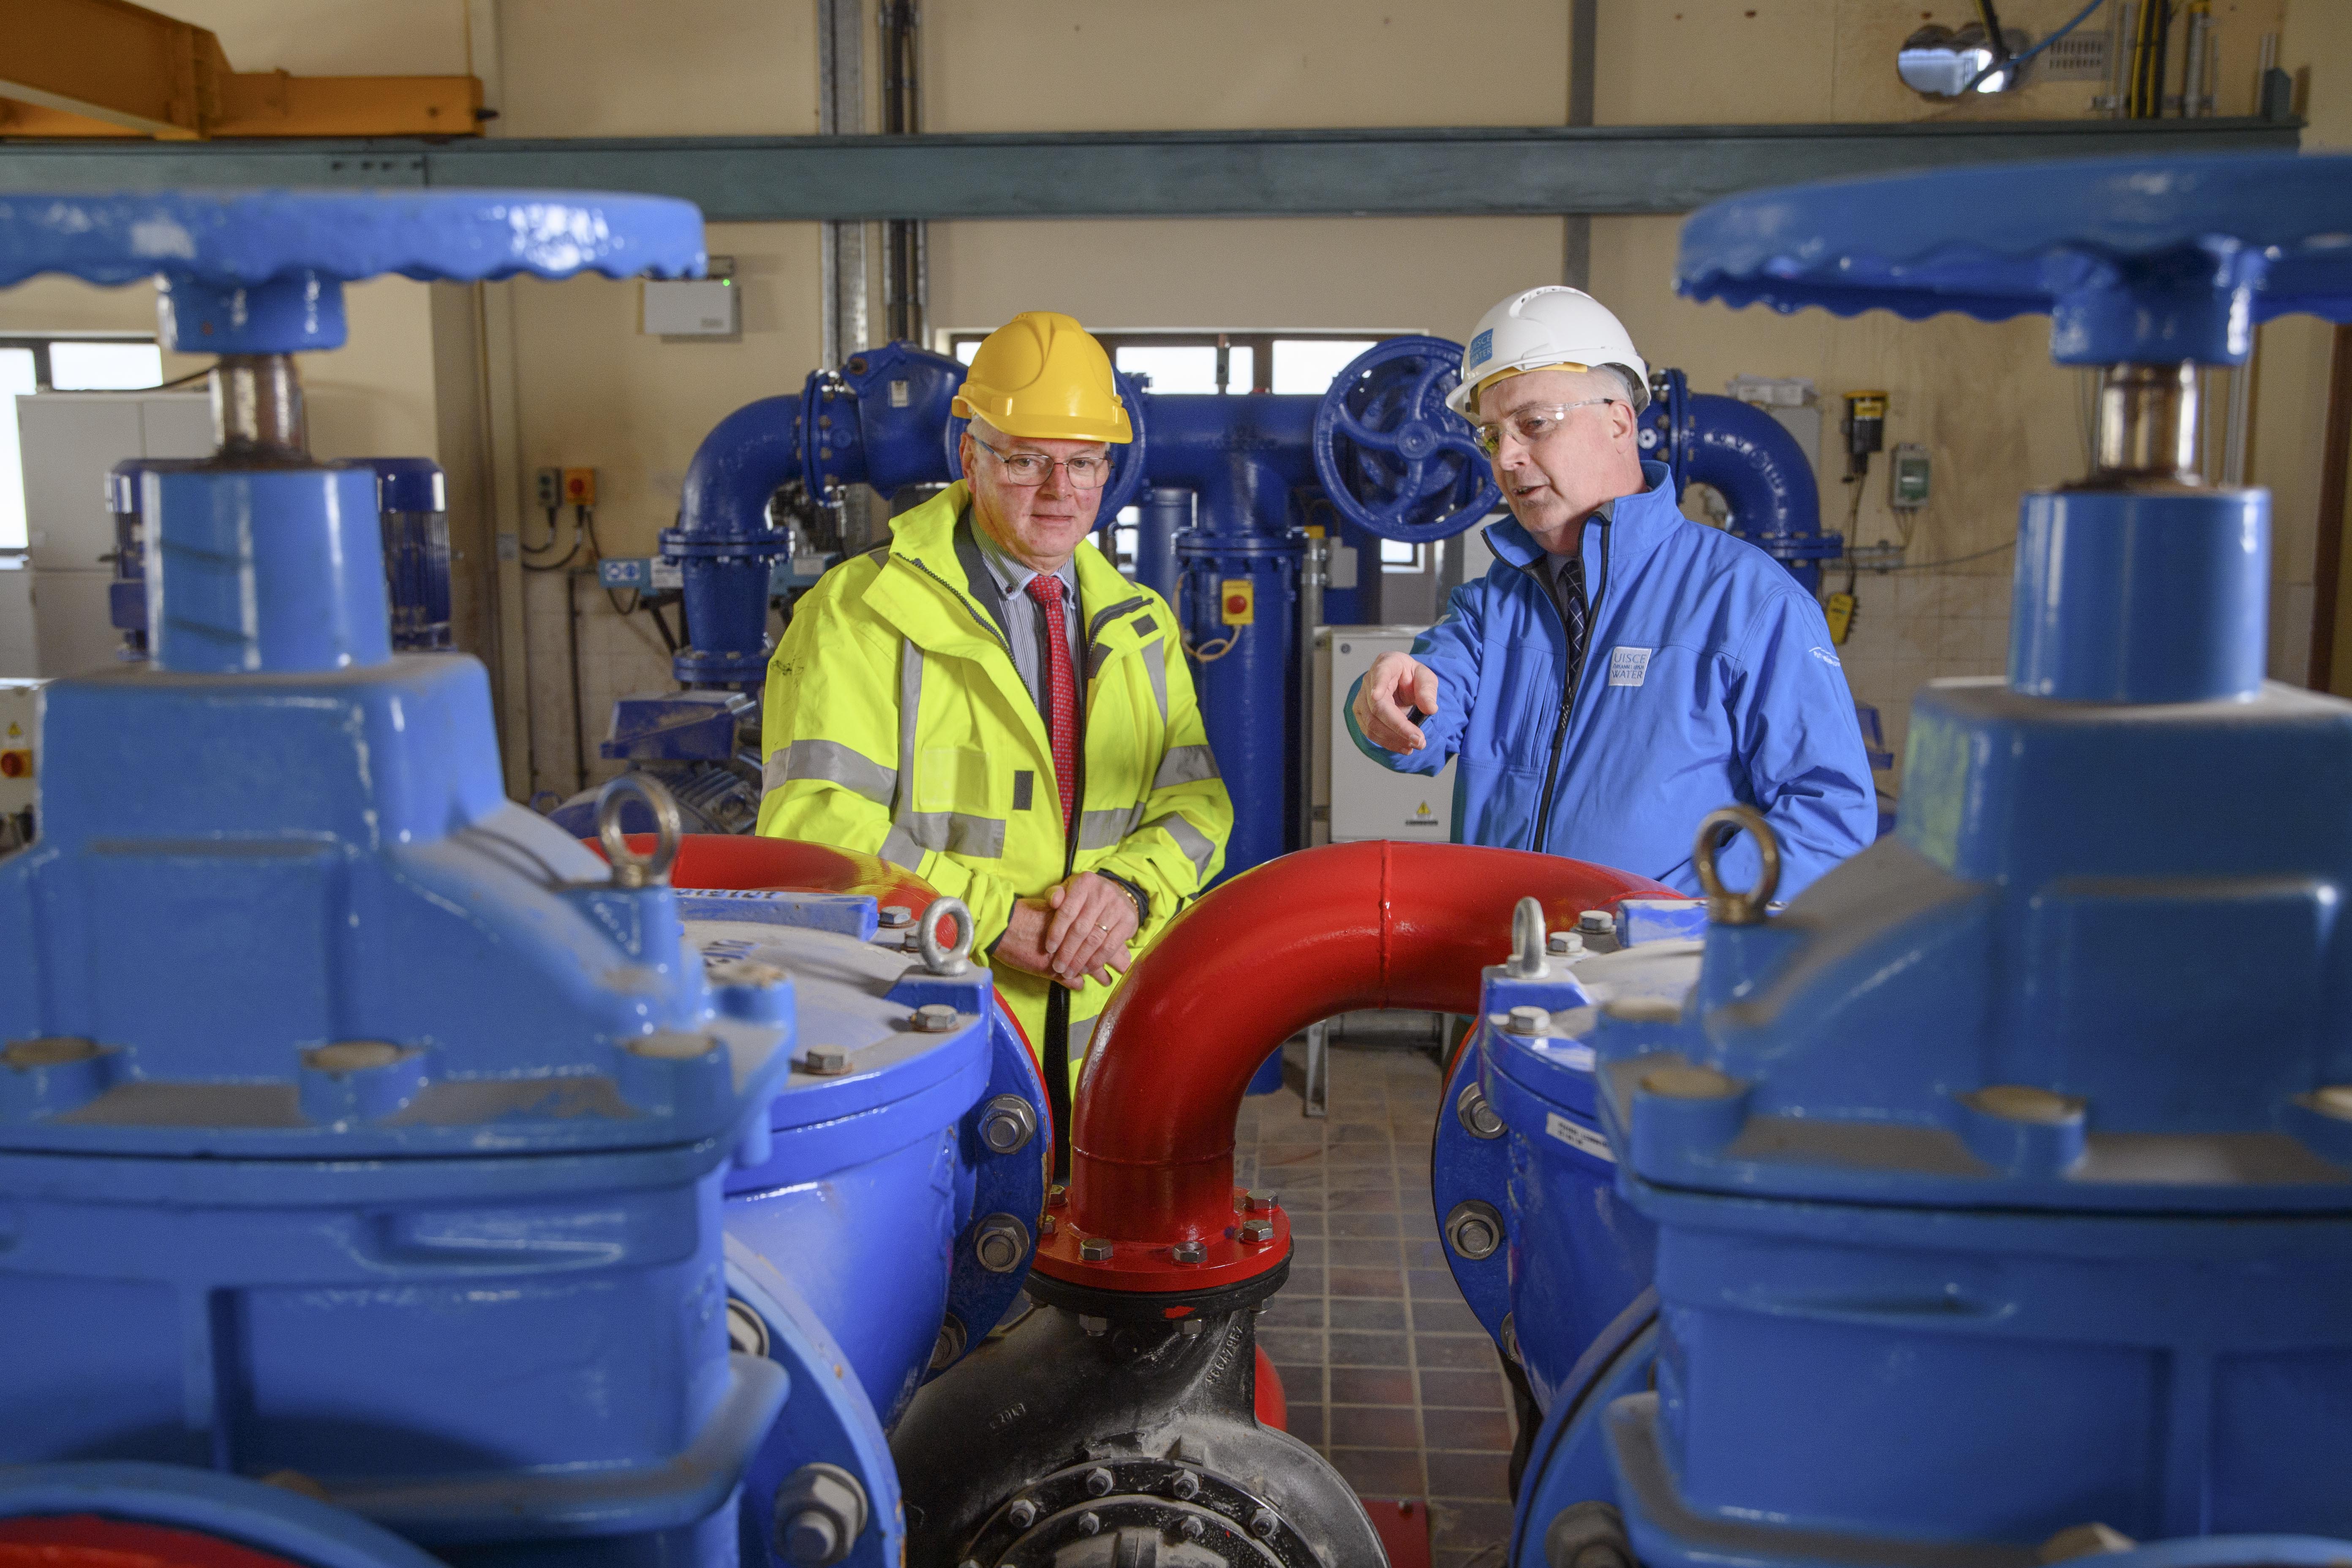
(897, 723)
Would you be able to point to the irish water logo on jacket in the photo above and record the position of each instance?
(1628, 666)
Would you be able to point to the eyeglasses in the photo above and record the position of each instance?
(1087, 472)
(1531, 424)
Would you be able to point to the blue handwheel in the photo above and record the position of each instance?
(2135, 260)
(1128, 460)
(257, 272)
(1392, 456)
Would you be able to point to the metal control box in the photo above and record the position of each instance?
(1355, 797)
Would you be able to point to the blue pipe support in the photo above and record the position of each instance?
(1766, 480)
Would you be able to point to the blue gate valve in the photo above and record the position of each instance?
(2004, 1180)
(1392, 456)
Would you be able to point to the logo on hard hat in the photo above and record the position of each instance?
(1481, 349)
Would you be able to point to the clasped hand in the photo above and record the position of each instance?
(1079, 929)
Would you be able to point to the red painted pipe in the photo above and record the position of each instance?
(740, 860)
(1302, 938)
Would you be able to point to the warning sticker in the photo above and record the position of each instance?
(1578, 1136)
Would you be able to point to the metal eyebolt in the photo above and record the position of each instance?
(1477, 1116)
(1724, 906)
(1528, 943)
(1008, 1124)
(1001, 1244)
(629, 870)
(956, 960)
(1475, 1230)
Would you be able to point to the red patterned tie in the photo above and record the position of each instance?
(1061, 690)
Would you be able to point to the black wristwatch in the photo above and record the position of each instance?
(1136, 896)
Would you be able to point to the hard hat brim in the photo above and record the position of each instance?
(1033, 424)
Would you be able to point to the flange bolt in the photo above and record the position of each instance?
(1187, 1486)
(1055, 1196)
(1192, 1529)
(1588, 1535)
(1090, 1524)
(1189, 1252)
(1263, 1524)
(1094, 1249)
(938, 1018)
(1008, 1124)
(824, 1061)
(1001, 1244)
(1475, 1230)
(1257, 1231)
(1021, 1514)
(1099, 1482)
(896, 917)
(1597, 922)
(820, 1511)
(1477, 1116)
(1565, 944)
(1263, 1200)
(1528, 1021)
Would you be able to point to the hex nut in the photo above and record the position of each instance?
(948, 1349)
(938, 1018)
(1008, 1124)
(1094, 1249)
(1587, 1535)
(1262, 1199)
(1257, 1231)
(1099, 1482)
(1475, 1230)
(1528, 1021)
(1510, 1337)
(1192, 1529)
(824, 1061)
(1090, 1524)
(1001, 1244)
(895, 917)
(1048, 1225)
(1187, 1486)
(1597, 922)
(1021, 1514)
(747, 1331)
(1565, 944)
(1092, 1324)
(1191, 1328)
(1189, 1252)
(820, 1512)
(1263, 1524)
(1477, 1116)
(1056, 1195)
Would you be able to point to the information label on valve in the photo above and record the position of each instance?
(1578, 1136)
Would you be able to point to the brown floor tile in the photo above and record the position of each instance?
(1355, 1313)
(1292, 1347)
(1306, 1424)
(1424, 1254)
(1432, 1285)
(1364, 1252)
(1374, 1427)
(1306, 1281)
(1381, 1282)
(1363, 1225)
(1359, 1348)
(1355, 1178)
(1307, 1225)
(1484, 1431)
(1372, 1385)
(1472, 1525)
(1307, 1251)
(1288, 1310)
(1480, 1476)
(1373, 1200)
(1380, 1472)
(1462, 1353)
(1341, 1154)
(1444, 1318)
(1462, 1390)
(1303, 1384)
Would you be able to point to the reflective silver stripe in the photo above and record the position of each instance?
(901, 849)
(1189, 839)
(1185, 764)
(1155, 664)
(1082, 1037)
(1104, 829)
(910, 703)
(952, 832)
(833, 762)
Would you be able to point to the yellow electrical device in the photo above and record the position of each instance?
(579, 486)
(1237, 596)
(1840, 614)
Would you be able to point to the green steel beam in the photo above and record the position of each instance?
(1210, 173)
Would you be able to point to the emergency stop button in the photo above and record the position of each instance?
(1240, 598)
(16, 764)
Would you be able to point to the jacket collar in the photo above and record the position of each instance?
(1638, 523)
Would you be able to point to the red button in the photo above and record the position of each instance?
(16, 764)
(1236, 605)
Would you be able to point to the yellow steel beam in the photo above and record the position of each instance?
(108, 67)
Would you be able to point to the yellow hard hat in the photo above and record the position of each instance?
(1042, 376)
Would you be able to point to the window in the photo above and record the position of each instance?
(58, 363)
(1230, 361)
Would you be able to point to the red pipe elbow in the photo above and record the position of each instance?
(1303, 938)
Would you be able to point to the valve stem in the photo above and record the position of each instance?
(2147, 426)
(258, 414)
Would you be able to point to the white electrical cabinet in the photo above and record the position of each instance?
(19, 760)
(1355, 797)
(53, 615)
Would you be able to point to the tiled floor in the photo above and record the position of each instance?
(1386, 1370)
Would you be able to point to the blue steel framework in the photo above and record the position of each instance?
(1990, 1202)
(357, 1122)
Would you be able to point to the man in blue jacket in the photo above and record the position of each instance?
(1620, 671)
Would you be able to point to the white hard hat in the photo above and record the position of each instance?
(1542, 328)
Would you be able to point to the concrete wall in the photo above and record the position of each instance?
(532, 374)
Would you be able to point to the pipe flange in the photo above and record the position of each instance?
(1152, 1307)
(1164, 1503)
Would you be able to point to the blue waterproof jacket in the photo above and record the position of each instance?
(1709, 676)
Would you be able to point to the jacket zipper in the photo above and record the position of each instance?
(1574, 683)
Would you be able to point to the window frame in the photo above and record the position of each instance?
(1224, 342)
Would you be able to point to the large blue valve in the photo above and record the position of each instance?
(1390, 454)
(2004, 1180)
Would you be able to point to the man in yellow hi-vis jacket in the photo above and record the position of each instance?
(987, 702)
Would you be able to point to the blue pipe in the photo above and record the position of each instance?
(1763, 476)
(723, 542)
